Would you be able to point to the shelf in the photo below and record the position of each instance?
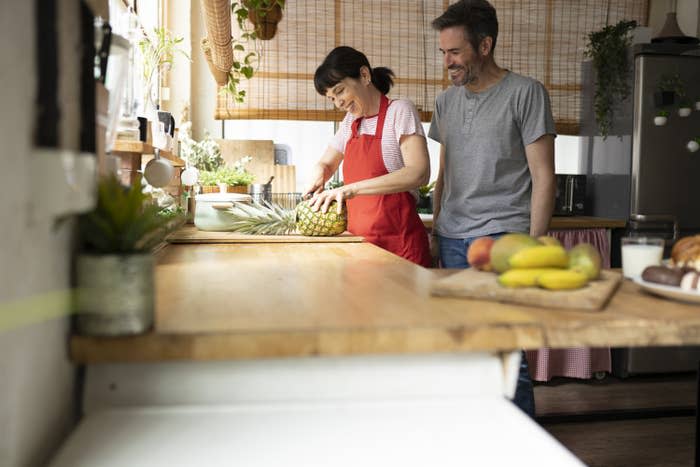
(139, 147)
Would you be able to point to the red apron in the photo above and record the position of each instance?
(388, 221)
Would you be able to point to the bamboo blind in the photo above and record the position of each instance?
(544, 39)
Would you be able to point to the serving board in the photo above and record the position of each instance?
(262, 151)
(471, 283)
(191, 234)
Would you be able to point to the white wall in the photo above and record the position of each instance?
(36, 378)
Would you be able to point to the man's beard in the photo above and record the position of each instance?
(470, 74)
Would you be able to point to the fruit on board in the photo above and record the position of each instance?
(479, 253)
(541, 256)
(506, 246)
(523, 277)
(562, 279)
(585, 258)
(271, 219)
(547, 240)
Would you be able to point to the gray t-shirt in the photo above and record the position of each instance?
(487, 182)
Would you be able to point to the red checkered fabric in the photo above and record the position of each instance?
(579, 362)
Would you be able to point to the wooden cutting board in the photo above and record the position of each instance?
(285, 180)
(471, 283)
(261, 150)
(191, 234)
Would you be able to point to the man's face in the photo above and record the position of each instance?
(463, 63)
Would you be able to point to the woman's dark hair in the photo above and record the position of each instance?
(345, 62)
(478, 17)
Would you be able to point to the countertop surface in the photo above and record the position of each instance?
(562, 222)
(229, 301)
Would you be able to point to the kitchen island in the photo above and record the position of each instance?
(228, 301)
(332, 354)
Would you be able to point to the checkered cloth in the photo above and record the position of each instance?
(579, 362)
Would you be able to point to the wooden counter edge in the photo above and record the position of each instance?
(271, 344)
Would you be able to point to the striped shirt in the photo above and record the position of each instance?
(401, 119)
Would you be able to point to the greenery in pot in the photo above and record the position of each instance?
(124, 221)
(114, 271)
(245, 61)
(204, 155)
(231, 176)
(158, 50)
(608, 50)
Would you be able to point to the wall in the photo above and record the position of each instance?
(36, 378)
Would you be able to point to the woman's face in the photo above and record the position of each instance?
(352, 95)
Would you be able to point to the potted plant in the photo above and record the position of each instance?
(669, 87)
(661, 118)
(608, 50)
(114, 268)
(264, 16)
(693, 145)
(204, 155)
(684, 108)
(158, 50)
(425, 201)
(227, 179)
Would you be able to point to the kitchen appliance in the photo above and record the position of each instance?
(649, 177)
(570, 195)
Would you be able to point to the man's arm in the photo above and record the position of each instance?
(540, 160)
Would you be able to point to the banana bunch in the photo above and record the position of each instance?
(551, 267)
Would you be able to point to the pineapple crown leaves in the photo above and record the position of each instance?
(124, 220)
(260, 219)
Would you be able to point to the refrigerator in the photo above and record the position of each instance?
(648, 175)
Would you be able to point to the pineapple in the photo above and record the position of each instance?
(271, 219)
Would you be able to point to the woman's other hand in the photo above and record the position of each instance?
(322, 201)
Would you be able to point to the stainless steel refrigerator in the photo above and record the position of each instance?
(647, 175)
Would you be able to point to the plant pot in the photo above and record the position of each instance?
(266, 25)
(660, 120)
(692, 146)
(115, 294)
(229, 189)
(684, 111)
(664, 98)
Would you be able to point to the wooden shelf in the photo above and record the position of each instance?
(139, 147)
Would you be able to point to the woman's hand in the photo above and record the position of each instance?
(324, 199)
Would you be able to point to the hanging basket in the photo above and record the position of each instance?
(266, 25)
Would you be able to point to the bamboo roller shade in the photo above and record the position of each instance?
(544, 39)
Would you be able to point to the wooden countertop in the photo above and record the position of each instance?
(231, 301)
(562, 222)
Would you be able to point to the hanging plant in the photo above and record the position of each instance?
(257, 20)
(158, 49)
(608, 50)
(669, 87)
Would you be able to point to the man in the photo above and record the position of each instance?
(497, 134)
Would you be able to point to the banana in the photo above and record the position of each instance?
(523, 277)
(542, 256)
(563, 279)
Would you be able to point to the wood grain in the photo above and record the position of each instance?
(227, 301)
(480, 285)
(191, 234)
(262, 151)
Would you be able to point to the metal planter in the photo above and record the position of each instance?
(115, 294)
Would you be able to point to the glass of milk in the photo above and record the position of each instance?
(640, 252)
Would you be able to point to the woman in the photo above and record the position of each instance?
(383, 149)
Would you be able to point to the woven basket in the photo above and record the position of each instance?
(230, 189)
(217, 18)
(220, 76)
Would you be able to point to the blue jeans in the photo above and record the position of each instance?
(453, 254)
